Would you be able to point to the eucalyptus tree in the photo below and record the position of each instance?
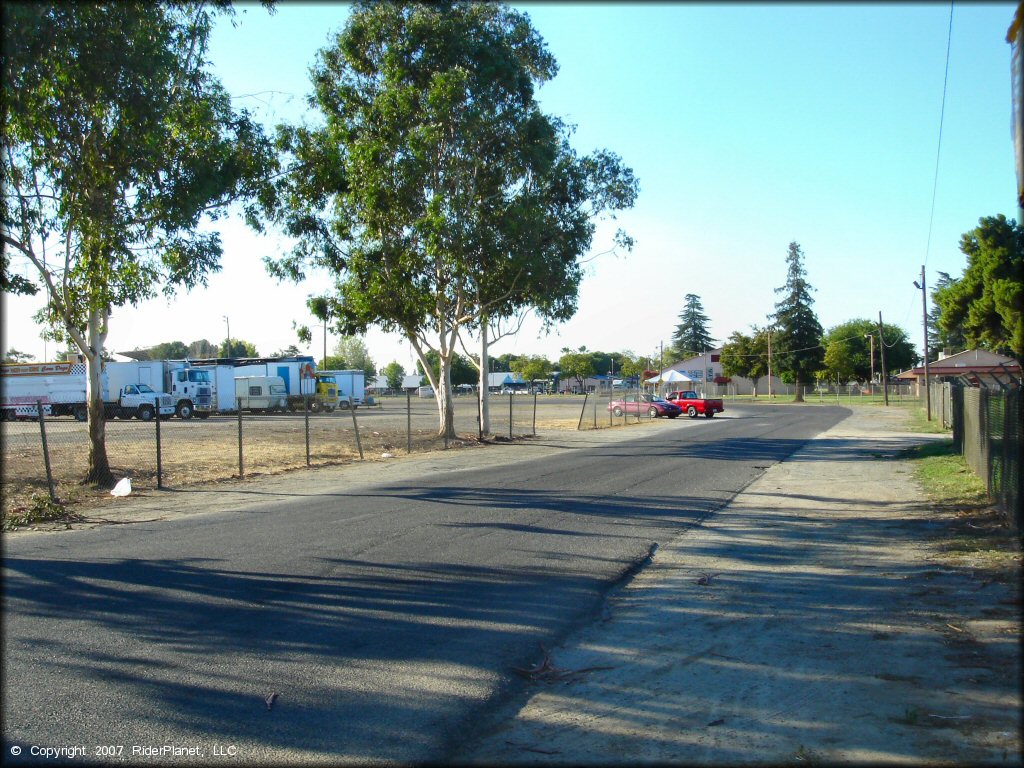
(537, 234)
(117, 144)
(798, 351)
(435, 190)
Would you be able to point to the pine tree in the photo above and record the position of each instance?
(799, 354)
(939, 338)
(691, 336)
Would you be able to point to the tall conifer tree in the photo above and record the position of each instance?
(798, 351)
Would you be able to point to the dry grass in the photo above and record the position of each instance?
(198, 453)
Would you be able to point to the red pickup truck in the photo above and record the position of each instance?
(693, 405)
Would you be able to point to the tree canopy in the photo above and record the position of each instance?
(987, 301)
(533, 367)
(436, 191)
(746, 355)
(118, 144)
(848, 348)
(393, 374)
(939, 338)
(351, 353)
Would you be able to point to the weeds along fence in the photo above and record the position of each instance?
(50, 456)
(987, 430)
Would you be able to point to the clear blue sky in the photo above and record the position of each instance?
(747, 126)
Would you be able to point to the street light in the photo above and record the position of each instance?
(924, 317)
(229, 333)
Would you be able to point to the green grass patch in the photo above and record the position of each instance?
(945, 475)
(919, 422)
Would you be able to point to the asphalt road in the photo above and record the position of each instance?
(378, 622)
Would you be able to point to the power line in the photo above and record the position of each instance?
(938, 149)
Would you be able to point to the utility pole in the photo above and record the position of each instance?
(881, 347)
(871, 339)
(769, 364)
(924, 314)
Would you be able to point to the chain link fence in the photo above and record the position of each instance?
(987, 429)
(49, 456)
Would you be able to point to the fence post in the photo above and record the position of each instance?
(583, 412)
(408, 420)
(159, 455)
(305, 407)
(534, 414)
(46, 450)
(355, 426)
(241, 472)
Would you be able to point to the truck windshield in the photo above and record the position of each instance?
(145, 388)
(201, 377)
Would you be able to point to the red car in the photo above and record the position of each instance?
(695, 405)
(651, 405)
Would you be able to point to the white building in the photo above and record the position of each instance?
(706, 371)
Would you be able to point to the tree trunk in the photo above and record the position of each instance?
(485, 409)
(799, 393)
(445, 403)
(442, 386)
(99, 465)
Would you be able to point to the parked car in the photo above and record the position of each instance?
(695, 405)
(652, 405)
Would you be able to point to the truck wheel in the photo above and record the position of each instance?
(617, 411)
(709, 414)
(80, 413)
(652, 412)
(692, 412)
(184, 410)
(314, 406)
(343, 404)
(145, 412)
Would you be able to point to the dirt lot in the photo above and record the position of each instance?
(207, 451)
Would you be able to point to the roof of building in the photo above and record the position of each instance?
(968, 361)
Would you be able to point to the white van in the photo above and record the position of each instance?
(261, 393)
(425, 392)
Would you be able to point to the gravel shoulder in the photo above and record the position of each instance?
(820, 617)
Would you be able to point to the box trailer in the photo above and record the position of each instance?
(190, 388)
(349, 384)
(61, 388)
(260, 393)
(298, 374)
